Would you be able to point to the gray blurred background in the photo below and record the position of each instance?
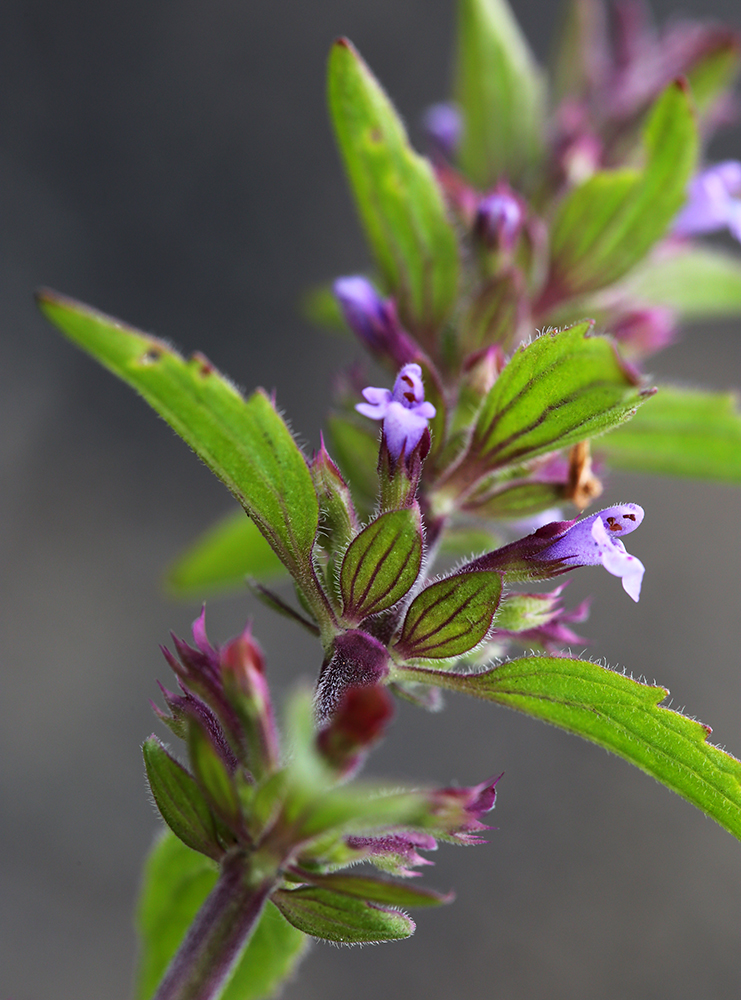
(171, 163)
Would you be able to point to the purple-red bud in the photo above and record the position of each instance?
(358, 723)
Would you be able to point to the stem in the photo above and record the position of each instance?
(220, 931)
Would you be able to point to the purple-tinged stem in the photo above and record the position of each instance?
(220, 931)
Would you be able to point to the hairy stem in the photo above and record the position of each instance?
(201, 967)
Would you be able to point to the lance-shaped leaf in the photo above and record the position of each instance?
(516, 499)
(695, 282)
(496, 313)
(212, 775)
(618, 713)
(562, 388)
(180, 800)
(175, 885)
(381, 564)
(681, 432)
(450, 617)
(499, 87)
(397, 196)
(336, 917)
(609, 223)
(223, 557)
(715, 69)
(244, 442)
(378, 890)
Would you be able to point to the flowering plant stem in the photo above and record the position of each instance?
(219, 933)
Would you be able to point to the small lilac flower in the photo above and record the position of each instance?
(373, 319)
(443, 125)
(593, 541)
(499, 219)
(403, 411)
(561, 546)
(713, 202)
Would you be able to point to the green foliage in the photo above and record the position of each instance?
(244, 442)
(212, 775)
(516, 500)
(714, 72)
(378, 890)
(450, 617)
(618, 713)
(695, 281)
(499, 88)
(179, 800)
(344, 919)
(681, 432)
(608, 224)
(396, 193)
(381, 564)
(560, 389)
(176, 883)
(223, 557)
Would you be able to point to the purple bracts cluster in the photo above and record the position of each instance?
(403, 410)
(595, 541)
(713, 202)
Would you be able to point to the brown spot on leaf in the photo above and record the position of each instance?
(205, 367)
(151, 355)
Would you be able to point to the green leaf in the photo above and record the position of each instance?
(715, 70)
(696, 282)
(378, 890)
(176, 883)
(499, 88)
(562, 388)
(579, 46)
(450, 617)
(681, 432)
(609, 223)
(496, 313)
(381, 564)
(398, 198)
(221, 559)
(179, 800)
(334, 917)
(244, 442)
(616, 712)
(518, 499)
(212, 775)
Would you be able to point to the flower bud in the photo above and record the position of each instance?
(374, 321)
(358, 723)
(645, 331)
(243, 673)
(443, 126)
(499, 220)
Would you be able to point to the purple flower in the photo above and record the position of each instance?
(373, 319)
(713, 202)
(499, 219)
(443, 125)
(403, 411)
(594, 541)
(561, 546)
